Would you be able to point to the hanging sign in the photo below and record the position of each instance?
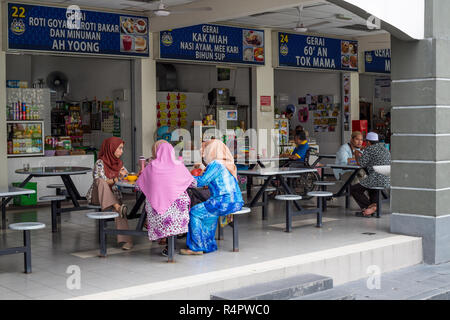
(71, 30)
(213, 43)
(378, 61)
(312, 52)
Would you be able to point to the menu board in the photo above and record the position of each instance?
(378, 61)
(312, 52)
(214, 43)
(71, 30)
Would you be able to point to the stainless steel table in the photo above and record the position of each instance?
(64, 173)
(8, 193)
(321, 156)
(273, 173)
(345, 189)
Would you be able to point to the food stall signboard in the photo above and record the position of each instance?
(71, 30)
(213, 43)
(313, 52)
(378, 61)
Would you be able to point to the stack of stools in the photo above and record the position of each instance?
(56, 205)
(26, 227)
(323, 186)
(321, 196)
(288, 198)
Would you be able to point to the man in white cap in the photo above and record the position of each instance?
(374, 155)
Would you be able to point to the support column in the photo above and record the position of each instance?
(421, 135)
(145, 103)
(3, 128)
(263, 85)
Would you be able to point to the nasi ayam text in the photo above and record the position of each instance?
(209, 44)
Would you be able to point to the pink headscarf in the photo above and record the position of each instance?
(164, 179)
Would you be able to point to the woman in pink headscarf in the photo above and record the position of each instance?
(164, 182)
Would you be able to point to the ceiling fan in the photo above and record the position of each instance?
(163, 10)
(300, 27)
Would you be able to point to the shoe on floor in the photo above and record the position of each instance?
(165, 252)
(361, 215)
(127, 246)
(188, 252)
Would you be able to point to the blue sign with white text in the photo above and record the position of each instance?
(71, 30)
(213, 43)
(304, 51)
(378, 61)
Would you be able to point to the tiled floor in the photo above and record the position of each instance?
(260, 241)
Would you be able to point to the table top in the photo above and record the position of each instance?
(344, 166)
(245, 161)
(54, 171)
(275, 171)
(326, 156)
(125, 184)
(14, 191)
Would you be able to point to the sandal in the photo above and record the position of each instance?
(188, 252)
(374, 208)
(127, 246)
(362, 215)
(123, 211)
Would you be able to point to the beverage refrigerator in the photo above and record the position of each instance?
(25, 138)
(282, 125)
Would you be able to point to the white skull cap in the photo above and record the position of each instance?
(372, 136)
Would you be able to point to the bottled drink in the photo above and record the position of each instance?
(141, 163)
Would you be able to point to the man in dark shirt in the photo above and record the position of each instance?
(374, 155)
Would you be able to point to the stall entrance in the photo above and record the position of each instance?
(81, 101)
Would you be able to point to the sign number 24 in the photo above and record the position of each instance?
(284, 38)
(16, 14)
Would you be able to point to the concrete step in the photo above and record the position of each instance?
(342, 264)
(332, 294)
(284, 289)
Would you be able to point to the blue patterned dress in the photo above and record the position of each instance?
(225, 198)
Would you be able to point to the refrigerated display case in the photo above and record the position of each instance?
(25, 138)
(282, 125)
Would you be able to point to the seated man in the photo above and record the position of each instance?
(300, 151)
(299, 128)
(346, 155)
(374, 155)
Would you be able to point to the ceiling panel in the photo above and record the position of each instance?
(313, 12)
(120, 4)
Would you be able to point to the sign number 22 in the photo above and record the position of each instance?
(16, 13)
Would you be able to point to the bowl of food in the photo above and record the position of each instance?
(132, 177)
(345, 61)
(259, 54)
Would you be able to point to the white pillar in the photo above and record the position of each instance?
(145, 103)
(263, 85)
(3, 137)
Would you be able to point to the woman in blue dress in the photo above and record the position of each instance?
(220, 176)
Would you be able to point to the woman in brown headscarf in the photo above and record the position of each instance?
(104, 192)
